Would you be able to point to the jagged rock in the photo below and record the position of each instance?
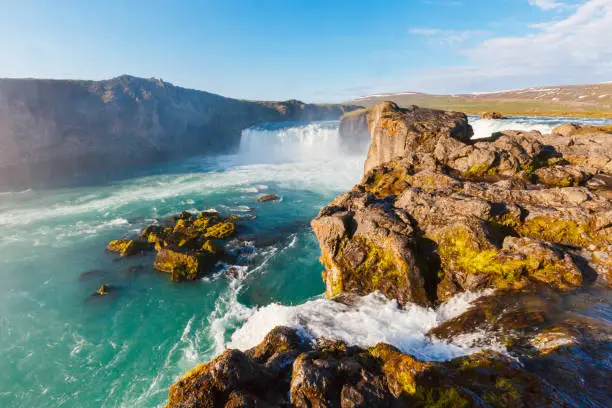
(398, 132)
(258, 377)
(332, 374)
(188, 246)
(492, 115)
(367, 249)
(267, 198)
(575, 129)
(425, 226)
(183, 264)
(128, 247)
(506, 154)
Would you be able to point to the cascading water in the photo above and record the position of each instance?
(281, 143)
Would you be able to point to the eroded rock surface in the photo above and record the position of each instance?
(450, 216)
(284, 370)
(397, 132)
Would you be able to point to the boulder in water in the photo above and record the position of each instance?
(183, 264)
(267, 198)
(128, 247)
(102, 290)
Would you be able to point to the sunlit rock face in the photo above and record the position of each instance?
(51, 129)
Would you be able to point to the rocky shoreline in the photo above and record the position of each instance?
(437, 214)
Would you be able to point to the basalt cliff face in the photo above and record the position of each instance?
(525, 214)
(51, 129)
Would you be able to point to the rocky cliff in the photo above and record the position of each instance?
(526, 214)
(50, 129)
(436, 214)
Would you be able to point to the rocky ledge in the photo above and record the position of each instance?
(286, 370)
(453, 215)
(436, 214)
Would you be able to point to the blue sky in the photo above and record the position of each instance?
(313, 50)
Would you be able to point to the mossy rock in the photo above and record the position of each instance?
(221, 230)
(183, 265)
(127, 247)
(212, 246)
(361, 266)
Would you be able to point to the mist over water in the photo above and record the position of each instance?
(62, 348)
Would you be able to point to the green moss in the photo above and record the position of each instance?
(506, 394)
(438, 397)
(379, 267)
(479, 170)
(385, 184)
(222, 230)
(556, 230)
(460, 251)
(400, 369)
(127, 247)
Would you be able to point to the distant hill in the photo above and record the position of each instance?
(53, 129)
(575, 100)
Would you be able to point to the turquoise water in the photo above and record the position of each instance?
(60, 347)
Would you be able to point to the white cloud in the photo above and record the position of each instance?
(548, 4)
(572, 50)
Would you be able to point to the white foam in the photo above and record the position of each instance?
(486, 127)
(290, 144)
(371, 320)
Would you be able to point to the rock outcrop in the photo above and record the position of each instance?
(53, 129)
(451, 216)
(284, 370)
(187, 246)
(397, 132)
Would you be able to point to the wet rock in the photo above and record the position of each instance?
(492, 115)
(282, 371)
(267, 198)
(102, 290)
(128, 247)
(258, 377)
(183, 264)
(188, 246)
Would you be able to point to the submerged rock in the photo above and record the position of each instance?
(102, 290)
(267, 198)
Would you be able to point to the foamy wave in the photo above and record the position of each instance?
(371, 320)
